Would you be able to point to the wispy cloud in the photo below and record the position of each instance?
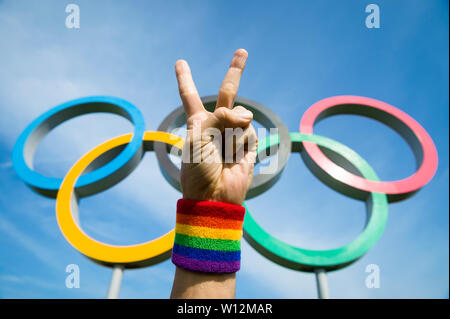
(38, 251)
(6, 165)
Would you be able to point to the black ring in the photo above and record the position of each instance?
(261, 114)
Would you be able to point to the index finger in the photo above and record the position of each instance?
(230, 84)
(188, 92)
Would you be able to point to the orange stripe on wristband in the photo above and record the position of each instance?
(211, 222)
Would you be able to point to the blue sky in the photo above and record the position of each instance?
(299, 53)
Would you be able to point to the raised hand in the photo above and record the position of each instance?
(217, 166)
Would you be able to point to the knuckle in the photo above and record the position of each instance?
(221, 113)
(228, 88)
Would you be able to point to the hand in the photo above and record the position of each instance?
(207, 173)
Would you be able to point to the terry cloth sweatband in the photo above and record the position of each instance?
(208, 236)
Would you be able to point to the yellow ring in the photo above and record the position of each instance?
(131, 255)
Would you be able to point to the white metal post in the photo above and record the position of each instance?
(116, 280)
(322, 283)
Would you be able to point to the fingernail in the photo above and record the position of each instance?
(245, 114)
(241, 52)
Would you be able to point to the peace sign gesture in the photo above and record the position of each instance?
(220, 149)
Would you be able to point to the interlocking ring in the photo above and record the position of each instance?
(115, 159)
(93, 181)
(131, 256)
(307, 260)
(261, 114)
(414, 134)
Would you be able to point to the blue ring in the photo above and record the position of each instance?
(91, 182)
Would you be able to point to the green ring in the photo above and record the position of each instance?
(308, 260)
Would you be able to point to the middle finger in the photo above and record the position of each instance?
(230, 84)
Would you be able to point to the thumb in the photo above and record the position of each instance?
(231, 118)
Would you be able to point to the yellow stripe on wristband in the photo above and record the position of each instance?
(206, 232)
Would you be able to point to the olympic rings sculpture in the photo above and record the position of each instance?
(112, 161)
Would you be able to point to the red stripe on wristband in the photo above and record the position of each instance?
(211, 209)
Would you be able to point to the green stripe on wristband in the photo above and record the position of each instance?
(207, 243)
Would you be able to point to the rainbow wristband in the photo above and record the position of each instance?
(208, 236)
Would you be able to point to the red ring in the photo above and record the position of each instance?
(410, 184)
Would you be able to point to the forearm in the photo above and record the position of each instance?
(196, 285)
(206, 249)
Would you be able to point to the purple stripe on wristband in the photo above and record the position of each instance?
(205, 265)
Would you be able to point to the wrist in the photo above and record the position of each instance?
(215, 197)
(207, 236)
